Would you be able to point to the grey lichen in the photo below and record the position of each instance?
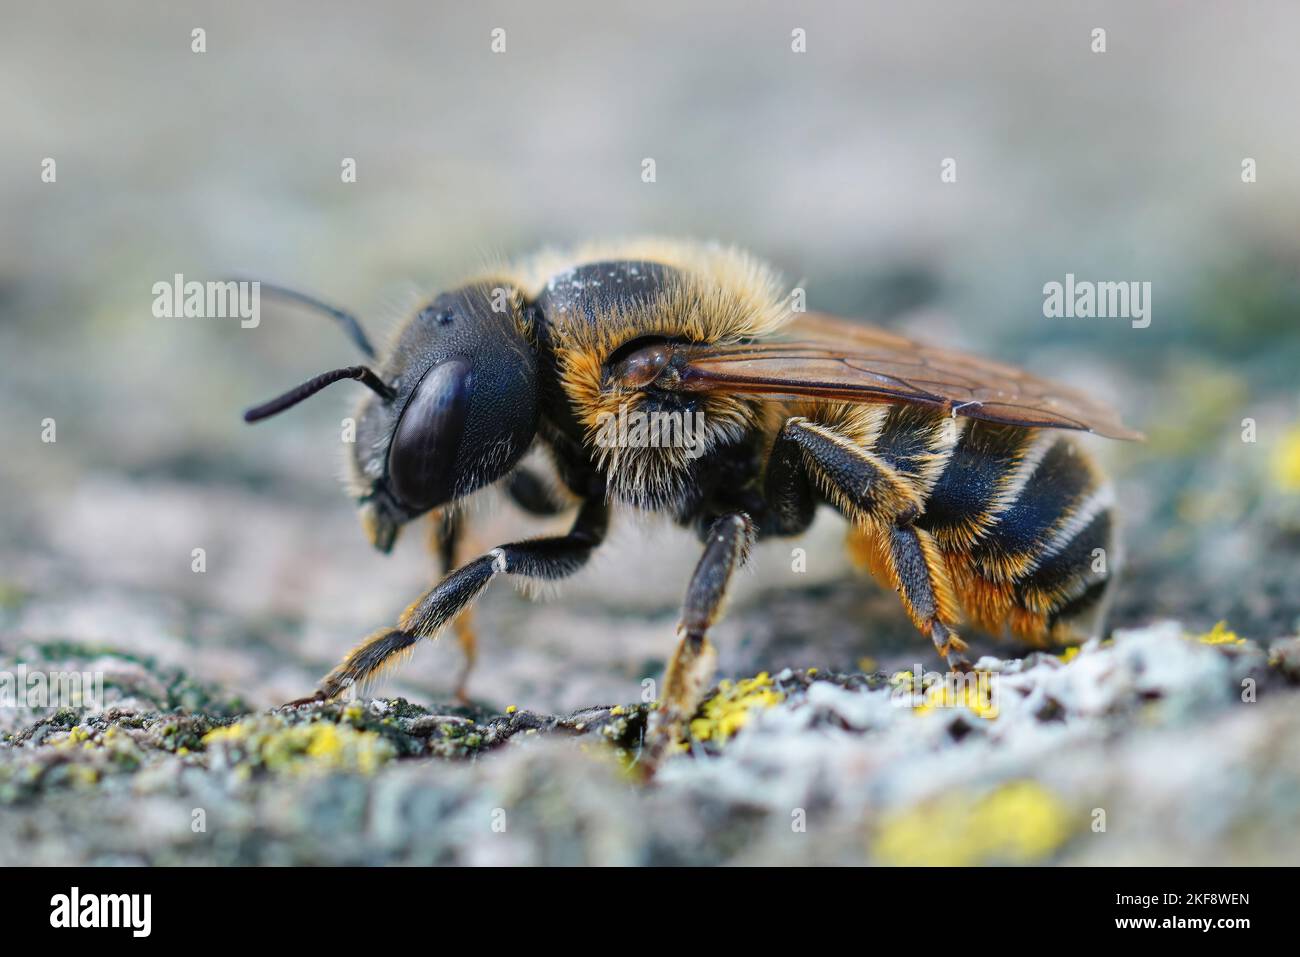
(1171, 740)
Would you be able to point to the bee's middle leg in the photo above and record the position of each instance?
(448, 537)
(693, 663)
(527, 490)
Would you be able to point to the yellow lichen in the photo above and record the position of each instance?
(1286, 461)
(1069, 654)
(78, 735)
(304, 748)
(1020, 822)
(231, 732)
(325, 742)
(1220, 634)
(729, 710)
(1200, 391)
(975, 691)
(83, 775)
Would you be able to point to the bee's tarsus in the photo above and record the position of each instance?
(949, 646)
(294, 705)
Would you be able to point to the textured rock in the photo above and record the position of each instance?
(1154, 747)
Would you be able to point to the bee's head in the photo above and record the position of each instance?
(454, 408)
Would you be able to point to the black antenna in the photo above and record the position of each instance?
(344, 318)
(309, 388)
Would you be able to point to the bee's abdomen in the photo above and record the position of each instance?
(977, 484)
(1025, 522)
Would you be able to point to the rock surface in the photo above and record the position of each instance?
(1154, 747)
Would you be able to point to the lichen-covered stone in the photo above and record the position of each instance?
(1161, 745)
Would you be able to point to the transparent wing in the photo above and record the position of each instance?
(822, 356)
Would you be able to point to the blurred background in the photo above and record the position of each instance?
(1117, 166)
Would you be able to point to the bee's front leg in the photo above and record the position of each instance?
(693, 663)
(532, 495)
(541, 558)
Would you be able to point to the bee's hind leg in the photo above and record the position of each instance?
(884, 507)
(693, 663)
(919, 574)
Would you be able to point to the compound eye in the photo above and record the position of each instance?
(422, 457)
(639, 368)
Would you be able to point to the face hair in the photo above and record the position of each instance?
(362, 374)
(349, 322)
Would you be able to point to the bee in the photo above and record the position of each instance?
(963, 491)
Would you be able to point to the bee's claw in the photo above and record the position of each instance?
(959, 662)
(316, 698)
(949, 646)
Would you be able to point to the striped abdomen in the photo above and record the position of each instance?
(1022, 517)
